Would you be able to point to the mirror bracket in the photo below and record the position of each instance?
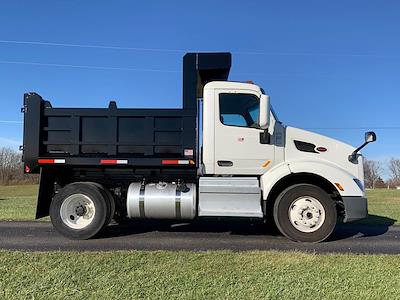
(265, 137)
(353, 157)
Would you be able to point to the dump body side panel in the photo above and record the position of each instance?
(85, 136)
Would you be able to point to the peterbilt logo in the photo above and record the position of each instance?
(321, 149)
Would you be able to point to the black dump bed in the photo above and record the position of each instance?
(112, 136)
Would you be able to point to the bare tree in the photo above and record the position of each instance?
(9, 164)
(372, 170)
(394, 170)
(11, 168)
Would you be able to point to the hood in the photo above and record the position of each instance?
(305, 145)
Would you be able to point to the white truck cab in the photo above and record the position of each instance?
(315, 172)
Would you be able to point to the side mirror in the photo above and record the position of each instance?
(264, 112)
(370, 137)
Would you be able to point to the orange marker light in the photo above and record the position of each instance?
(339, 186)
(266, 163)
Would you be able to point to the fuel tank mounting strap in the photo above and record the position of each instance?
(141, 201)
(178, 204)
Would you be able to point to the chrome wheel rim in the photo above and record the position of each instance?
(77, 211)
(306, 214)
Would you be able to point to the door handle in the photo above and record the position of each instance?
(225, 163)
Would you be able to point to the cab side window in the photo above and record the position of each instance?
(240, 110)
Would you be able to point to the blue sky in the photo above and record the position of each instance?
(329, 66)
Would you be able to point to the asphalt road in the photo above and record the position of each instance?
(198, 236)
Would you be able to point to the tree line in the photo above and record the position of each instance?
(373, 173)
(11, 168)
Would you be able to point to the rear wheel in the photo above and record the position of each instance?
(305, 213)
(79, 210)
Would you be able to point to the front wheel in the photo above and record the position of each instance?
(79, 210)
(305, 213)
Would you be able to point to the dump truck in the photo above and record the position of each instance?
(224, 154)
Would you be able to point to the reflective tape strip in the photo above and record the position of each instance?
(141, 201)
(59, 161)
(114, 161)
(122, 161)
(170, 162)
(176, 162)
(51, 161)
(45, 161)
(178, 213)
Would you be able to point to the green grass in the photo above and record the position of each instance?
(19, 203)
(197, 275)
(383, 206)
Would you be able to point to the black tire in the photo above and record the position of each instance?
(112, 205)
(99, 218)
(270, 221)
(284, 202)
(109, 201)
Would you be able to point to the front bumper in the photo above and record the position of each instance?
(355, 208)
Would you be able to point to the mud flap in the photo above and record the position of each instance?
(356, 208)
(46, 191)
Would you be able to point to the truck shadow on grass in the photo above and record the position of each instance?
(372, 226)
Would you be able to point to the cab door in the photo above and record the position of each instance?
(238, 146)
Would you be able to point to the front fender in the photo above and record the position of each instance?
(271, 177)
(329, 171)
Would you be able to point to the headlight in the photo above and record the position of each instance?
(359, 183)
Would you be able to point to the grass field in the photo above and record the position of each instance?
(197, 275)
(385, 204)
(19, 203)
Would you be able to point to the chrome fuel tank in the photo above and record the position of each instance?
(161, 201)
